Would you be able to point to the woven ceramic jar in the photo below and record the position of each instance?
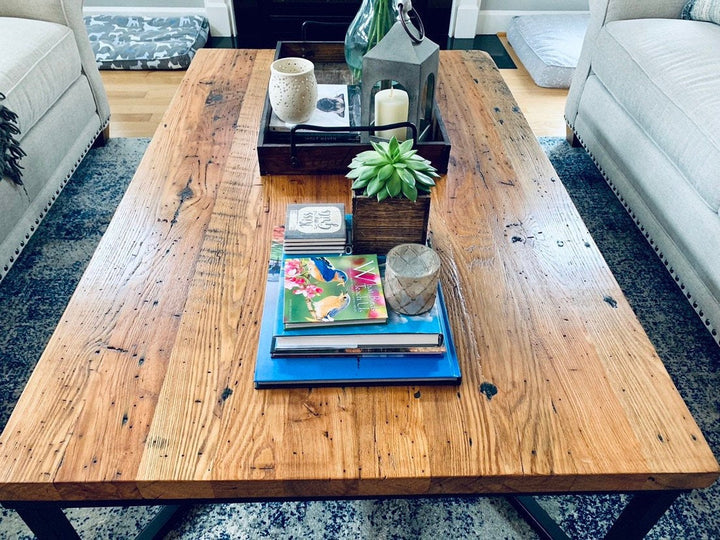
(293, 89)
(412, 272)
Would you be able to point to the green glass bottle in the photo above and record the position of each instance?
(372, 21)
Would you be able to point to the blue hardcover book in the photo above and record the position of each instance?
(320, 370)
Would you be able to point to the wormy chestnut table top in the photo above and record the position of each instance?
(145, 390)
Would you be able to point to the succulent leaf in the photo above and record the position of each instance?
(418, 165)
(363, 155)
(406, 146)
(394, 185)
(385, 172)
(424, 179)
(409, 191)
(376, 160)
(367, 173)
(359, 172)
(374, 187)
(407, 177)
(360, 183)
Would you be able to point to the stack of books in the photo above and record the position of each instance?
(325, 322)
(316, 228)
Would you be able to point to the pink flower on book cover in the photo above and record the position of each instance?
(293, 267)
(308, 291)
(295, 282)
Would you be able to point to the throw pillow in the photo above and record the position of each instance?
(702, 10)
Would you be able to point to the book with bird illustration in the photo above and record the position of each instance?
(332, 290)
(401, 334)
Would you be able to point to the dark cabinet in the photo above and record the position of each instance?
(262, 23)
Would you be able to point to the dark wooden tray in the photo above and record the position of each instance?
(330, 157)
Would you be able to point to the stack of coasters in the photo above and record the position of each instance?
(315, 228)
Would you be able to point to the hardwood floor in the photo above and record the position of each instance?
(138, 100)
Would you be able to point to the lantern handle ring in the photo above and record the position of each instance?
(414, 18)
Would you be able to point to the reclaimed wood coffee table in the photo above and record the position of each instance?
(145, 392)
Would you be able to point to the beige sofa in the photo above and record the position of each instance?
(50, 80)
(645, 103)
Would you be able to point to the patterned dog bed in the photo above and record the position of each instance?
(121, 42)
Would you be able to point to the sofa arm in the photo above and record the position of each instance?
(601, 13)
(68, 13)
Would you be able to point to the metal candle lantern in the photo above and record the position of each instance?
(403, 60)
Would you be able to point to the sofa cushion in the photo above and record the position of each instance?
(664, 73)
(39, 62)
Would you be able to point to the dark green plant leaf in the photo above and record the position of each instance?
(424, 179)
(407, 177)
(360, 183)
(406, 146)
(393, 148)
(374, 187)
(419, 165)
(385, 172)
(394, 185)
(409, 191)
(377, 159)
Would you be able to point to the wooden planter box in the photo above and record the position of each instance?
(380, 226)
(274, 150)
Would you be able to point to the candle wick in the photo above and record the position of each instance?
(391, 91)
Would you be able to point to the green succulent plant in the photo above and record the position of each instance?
(392, 169)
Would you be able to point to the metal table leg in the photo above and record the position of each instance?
(635, 521)
(641, 514)
(537, 517)
(46, 520)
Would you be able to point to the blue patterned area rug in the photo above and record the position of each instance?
(37, 288)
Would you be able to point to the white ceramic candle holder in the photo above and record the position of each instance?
(293, 89)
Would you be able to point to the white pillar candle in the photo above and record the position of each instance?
(391, 106)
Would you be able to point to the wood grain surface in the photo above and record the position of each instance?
(145, 390)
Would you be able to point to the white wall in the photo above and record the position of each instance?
(493, 16)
